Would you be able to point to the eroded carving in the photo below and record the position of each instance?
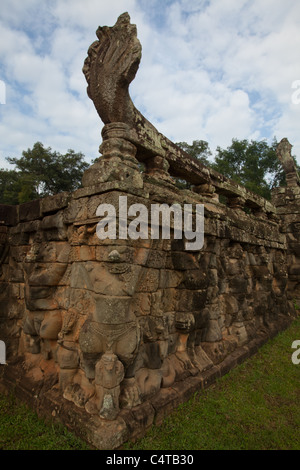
(283, 152)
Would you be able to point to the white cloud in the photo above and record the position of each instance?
(90, 13)
(246, 46)
(212, 70)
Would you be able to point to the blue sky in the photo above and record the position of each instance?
(211, 69)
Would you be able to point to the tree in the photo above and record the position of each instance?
(252, 164)
(41, 172)
(199, 149)
(9, 186)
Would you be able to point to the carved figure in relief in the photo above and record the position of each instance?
(44, 267)
(109, 373)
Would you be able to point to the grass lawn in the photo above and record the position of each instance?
(21, 429)
(254, 407)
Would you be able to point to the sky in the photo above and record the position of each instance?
(211, 70)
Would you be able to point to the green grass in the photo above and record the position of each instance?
(21, 429)
(255, 407)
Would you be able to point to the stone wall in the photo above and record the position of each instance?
(287, 201)
(109, 335)
(112, 334)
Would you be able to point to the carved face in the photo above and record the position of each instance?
(109, 361)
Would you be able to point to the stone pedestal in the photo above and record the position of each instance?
(117, 163)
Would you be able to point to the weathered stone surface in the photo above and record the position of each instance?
(110, 335)
(117, 164)
(51, 325)
(29, 211)
(8, 214)
(283, 151)
(54, 203)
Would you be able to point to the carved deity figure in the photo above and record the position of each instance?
(42, 275)
(109, 373)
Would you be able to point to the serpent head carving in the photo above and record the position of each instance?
(110, 67)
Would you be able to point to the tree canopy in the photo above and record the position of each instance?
(252, 164)
(41, 172)
(199, 149)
